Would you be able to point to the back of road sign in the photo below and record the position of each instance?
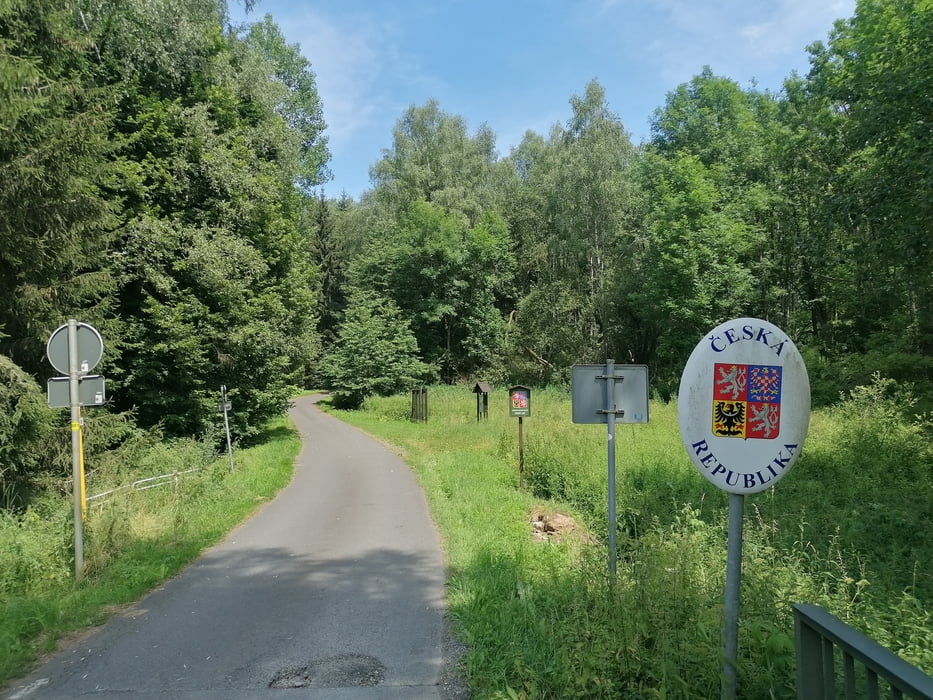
(90, 348)
(91, 391)
(630, 389)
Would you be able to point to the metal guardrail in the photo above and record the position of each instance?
(820, 634)
(141, 485)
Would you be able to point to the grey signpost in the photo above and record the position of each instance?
(74, 349)
(225, 406)
(744, 410)
(610, 394)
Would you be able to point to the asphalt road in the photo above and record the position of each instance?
(335, 589)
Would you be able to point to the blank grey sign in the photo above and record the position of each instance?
(588, 392)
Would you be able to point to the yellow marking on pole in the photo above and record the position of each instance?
(81, 472)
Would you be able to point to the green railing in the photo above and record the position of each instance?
(868, 669)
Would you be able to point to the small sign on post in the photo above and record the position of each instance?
(88, 347)
(519, 401)
(610, 394)
(520, 407)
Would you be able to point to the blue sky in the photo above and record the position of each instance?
(514, 64)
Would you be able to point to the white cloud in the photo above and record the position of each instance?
(347, 62)
(741, 39)
(366, 77)
(360, 63)
(374, 58)
(793, 25)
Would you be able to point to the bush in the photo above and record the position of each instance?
(375, 353)
(830, 377)
(26, 423)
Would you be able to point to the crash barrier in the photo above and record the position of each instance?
(867, 667)
(140, 485)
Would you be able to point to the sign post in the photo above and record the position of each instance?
(610, 412)
(744, 411)
(520, 407)
(225, 406)
(74, 349)
(77, 462)
(609, 394)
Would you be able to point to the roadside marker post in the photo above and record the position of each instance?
(482, 389)
(225, 406)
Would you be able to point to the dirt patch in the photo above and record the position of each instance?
(550, 525)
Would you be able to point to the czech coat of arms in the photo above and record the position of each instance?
(746, 401)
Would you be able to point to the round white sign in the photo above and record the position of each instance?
(744, 405)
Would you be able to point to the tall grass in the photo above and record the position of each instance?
(848, 529)
(133, 541)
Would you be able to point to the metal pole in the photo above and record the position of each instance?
(611, 428)
(75, 401)
(81, 466)
(223, 393)
(733, 596)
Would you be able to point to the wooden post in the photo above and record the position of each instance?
(521, 455)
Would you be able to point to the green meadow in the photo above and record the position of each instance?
(848, 528)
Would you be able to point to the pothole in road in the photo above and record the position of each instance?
(343, 671)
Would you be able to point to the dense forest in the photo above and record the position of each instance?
(163, 177)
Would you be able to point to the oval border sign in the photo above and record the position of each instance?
(744, 405)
